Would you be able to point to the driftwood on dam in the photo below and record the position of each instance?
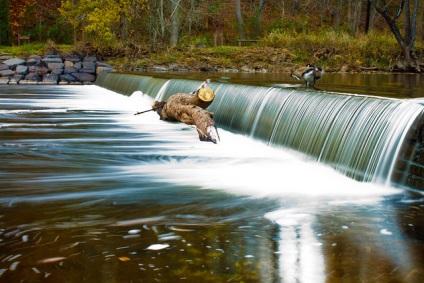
(190, 109)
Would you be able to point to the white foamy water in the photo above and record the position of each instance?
(244, 166)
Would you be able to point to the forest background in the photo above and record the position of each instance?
(340, 35)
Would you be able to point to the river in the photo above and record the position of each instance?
(90, 192)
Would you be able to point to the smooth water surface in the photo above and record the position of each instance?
(91, 193)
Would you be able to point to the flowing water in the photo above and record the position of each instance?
(90, 192)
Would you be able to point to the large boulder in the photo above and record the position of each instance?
(12, 63)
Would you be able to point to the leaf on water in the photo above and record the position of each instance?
(52, 259)
(157, 247)
(124, 258)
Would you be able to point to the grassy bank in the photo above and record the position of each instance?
(278, 52)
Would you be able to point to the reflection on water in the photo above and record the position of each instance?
(90, 192)
(386, 85)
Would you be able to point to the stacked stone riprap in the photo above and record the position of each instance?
(52, 68)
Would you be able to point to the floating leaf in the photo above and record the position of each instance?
(124, 258)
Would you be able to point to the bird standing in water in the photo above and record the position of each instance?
(309, 73)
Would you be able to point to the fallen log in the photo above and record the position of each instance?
(190, 109)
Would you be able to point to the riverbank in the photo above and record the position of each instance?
(277, 53)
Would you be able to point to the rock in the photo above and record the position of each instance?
(5, 57)
(90, 58)
(160, 69)
(70, 70)
(72, 58)
(52, 66)
(104, 69)
(4, 80)
(57, 71)
(38, 70)
(22, 70)
(7, 73)
(12, 63)
(84, 77)
(4, 67)
(51, 79)
(88, 67)
(48, 60)
(69, 64)
(28, 82)
(15, 79)
(33, 62)
(78, 65)
(67, 78)
(35, 57)
(33, 77)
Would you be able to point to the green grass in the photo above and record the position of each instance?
(35, 49)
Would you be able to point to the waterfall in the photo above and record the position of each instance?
(370, 139)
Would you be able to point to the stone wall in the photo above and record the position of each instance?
(52, 68)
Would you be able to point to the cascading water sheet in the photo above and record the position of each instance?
(359, 136)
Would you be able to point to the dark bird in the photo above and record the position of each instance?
(203, 85)
(309, 73)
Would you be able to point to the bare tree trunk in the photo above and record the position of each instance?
(406, 43)
(239, 19)
(190, 109)
(175, 23)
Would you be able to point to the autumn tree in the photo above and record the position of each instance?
(407, 40)
(5, 29)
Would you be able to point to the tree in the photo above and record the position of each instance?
(407, 41)
(175, 22)
(239, 19)
(5, 29)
